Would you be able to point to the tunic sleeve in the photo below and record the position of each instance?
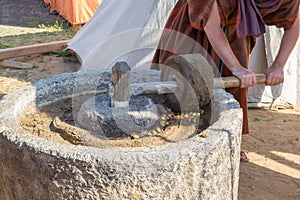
(284, 16)
(199, 12)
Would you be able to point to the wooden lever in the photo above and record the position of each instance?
(232, 81)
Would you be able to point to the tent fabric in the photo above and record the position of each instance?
(129, 30)
(263, 56)
(77, 12)
(122, 30)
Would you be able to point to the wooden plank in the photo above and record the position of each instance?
(31, 49)
(15, 64)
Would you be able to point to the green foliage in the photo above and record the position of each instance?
(61, 53)
(4, 46)
(26, 36)
(257, 119)
(22, 75)
(57, 26)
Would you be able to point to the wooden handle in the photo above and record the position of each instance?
(232, 81)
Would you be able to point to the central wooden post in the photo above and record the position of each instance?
(121, 81)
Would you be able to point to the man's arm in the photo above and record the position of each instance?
(222, 47)
(275, 74)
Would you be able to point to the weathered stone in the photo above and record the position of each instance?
(194, 76)
(99, 117)
(35, 168)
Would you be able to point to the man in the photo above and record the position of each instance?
(226, 29)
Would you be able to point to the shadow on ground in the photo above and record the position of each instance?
(274, 168)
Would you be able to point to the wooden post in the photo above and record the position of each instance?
(31, 49)
(121, 81)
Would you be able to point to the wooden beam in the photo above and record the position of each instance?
(15, 64)
(31, 49)
(232, 81)
(120, 80)
(165, 87)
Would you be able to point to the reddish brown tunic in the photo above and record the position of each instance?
(240, 24)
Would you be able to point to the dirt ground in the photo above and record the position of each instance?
(274, 143)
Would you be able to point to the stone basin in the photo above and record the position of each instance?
(35, 168)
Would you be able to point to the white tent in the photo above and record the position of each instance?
(263, 56)
(121, 30)
(130, 29)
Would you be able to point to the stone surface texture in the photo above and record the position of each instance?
(100, 118)
(196, 168)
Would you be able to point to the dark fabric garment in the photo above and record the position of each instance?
(249, 22)
(184, 32)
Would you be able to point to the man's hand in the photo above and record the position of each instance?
(275, 74)
(246, 77)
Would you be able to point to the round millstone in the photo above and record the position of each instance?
(101, 119)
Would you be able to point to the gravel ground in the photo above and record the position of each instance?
(25, 13)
